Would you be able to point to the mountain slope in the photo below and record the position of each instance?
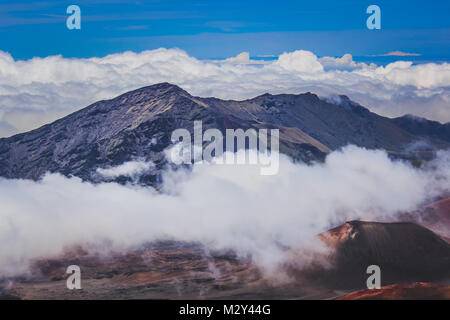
(405, 252)
(423, 127)
(434, 216)
(139, 124)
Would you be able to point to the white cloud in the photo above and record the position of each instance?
(300, 61)
(222, 206)
(127, 169)
(241, 58)
(36, 91)
(344, 63)
(426, 76)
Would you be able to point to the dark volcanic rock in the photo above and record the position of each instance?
(405, 252)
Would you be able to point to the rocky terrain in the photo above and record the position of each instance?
(168, 270)
(139, 124)
(415, 263)
(404, 252)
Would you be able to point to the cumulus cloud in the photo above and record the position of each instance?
(344, 63)
(36, 91)
(426, 76)
(221, 206)
(300, 61)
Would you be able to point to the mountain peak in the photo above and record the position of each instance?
(144, 99)
(164, 86)
(158, 89)
(138, 125)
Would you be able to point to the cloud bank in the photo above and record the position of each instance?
(39, 90)
(221, 206)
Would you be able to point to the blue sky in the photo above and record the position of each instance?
(218, 29)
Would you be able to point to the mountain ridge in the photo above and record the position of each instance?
(138, 125)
